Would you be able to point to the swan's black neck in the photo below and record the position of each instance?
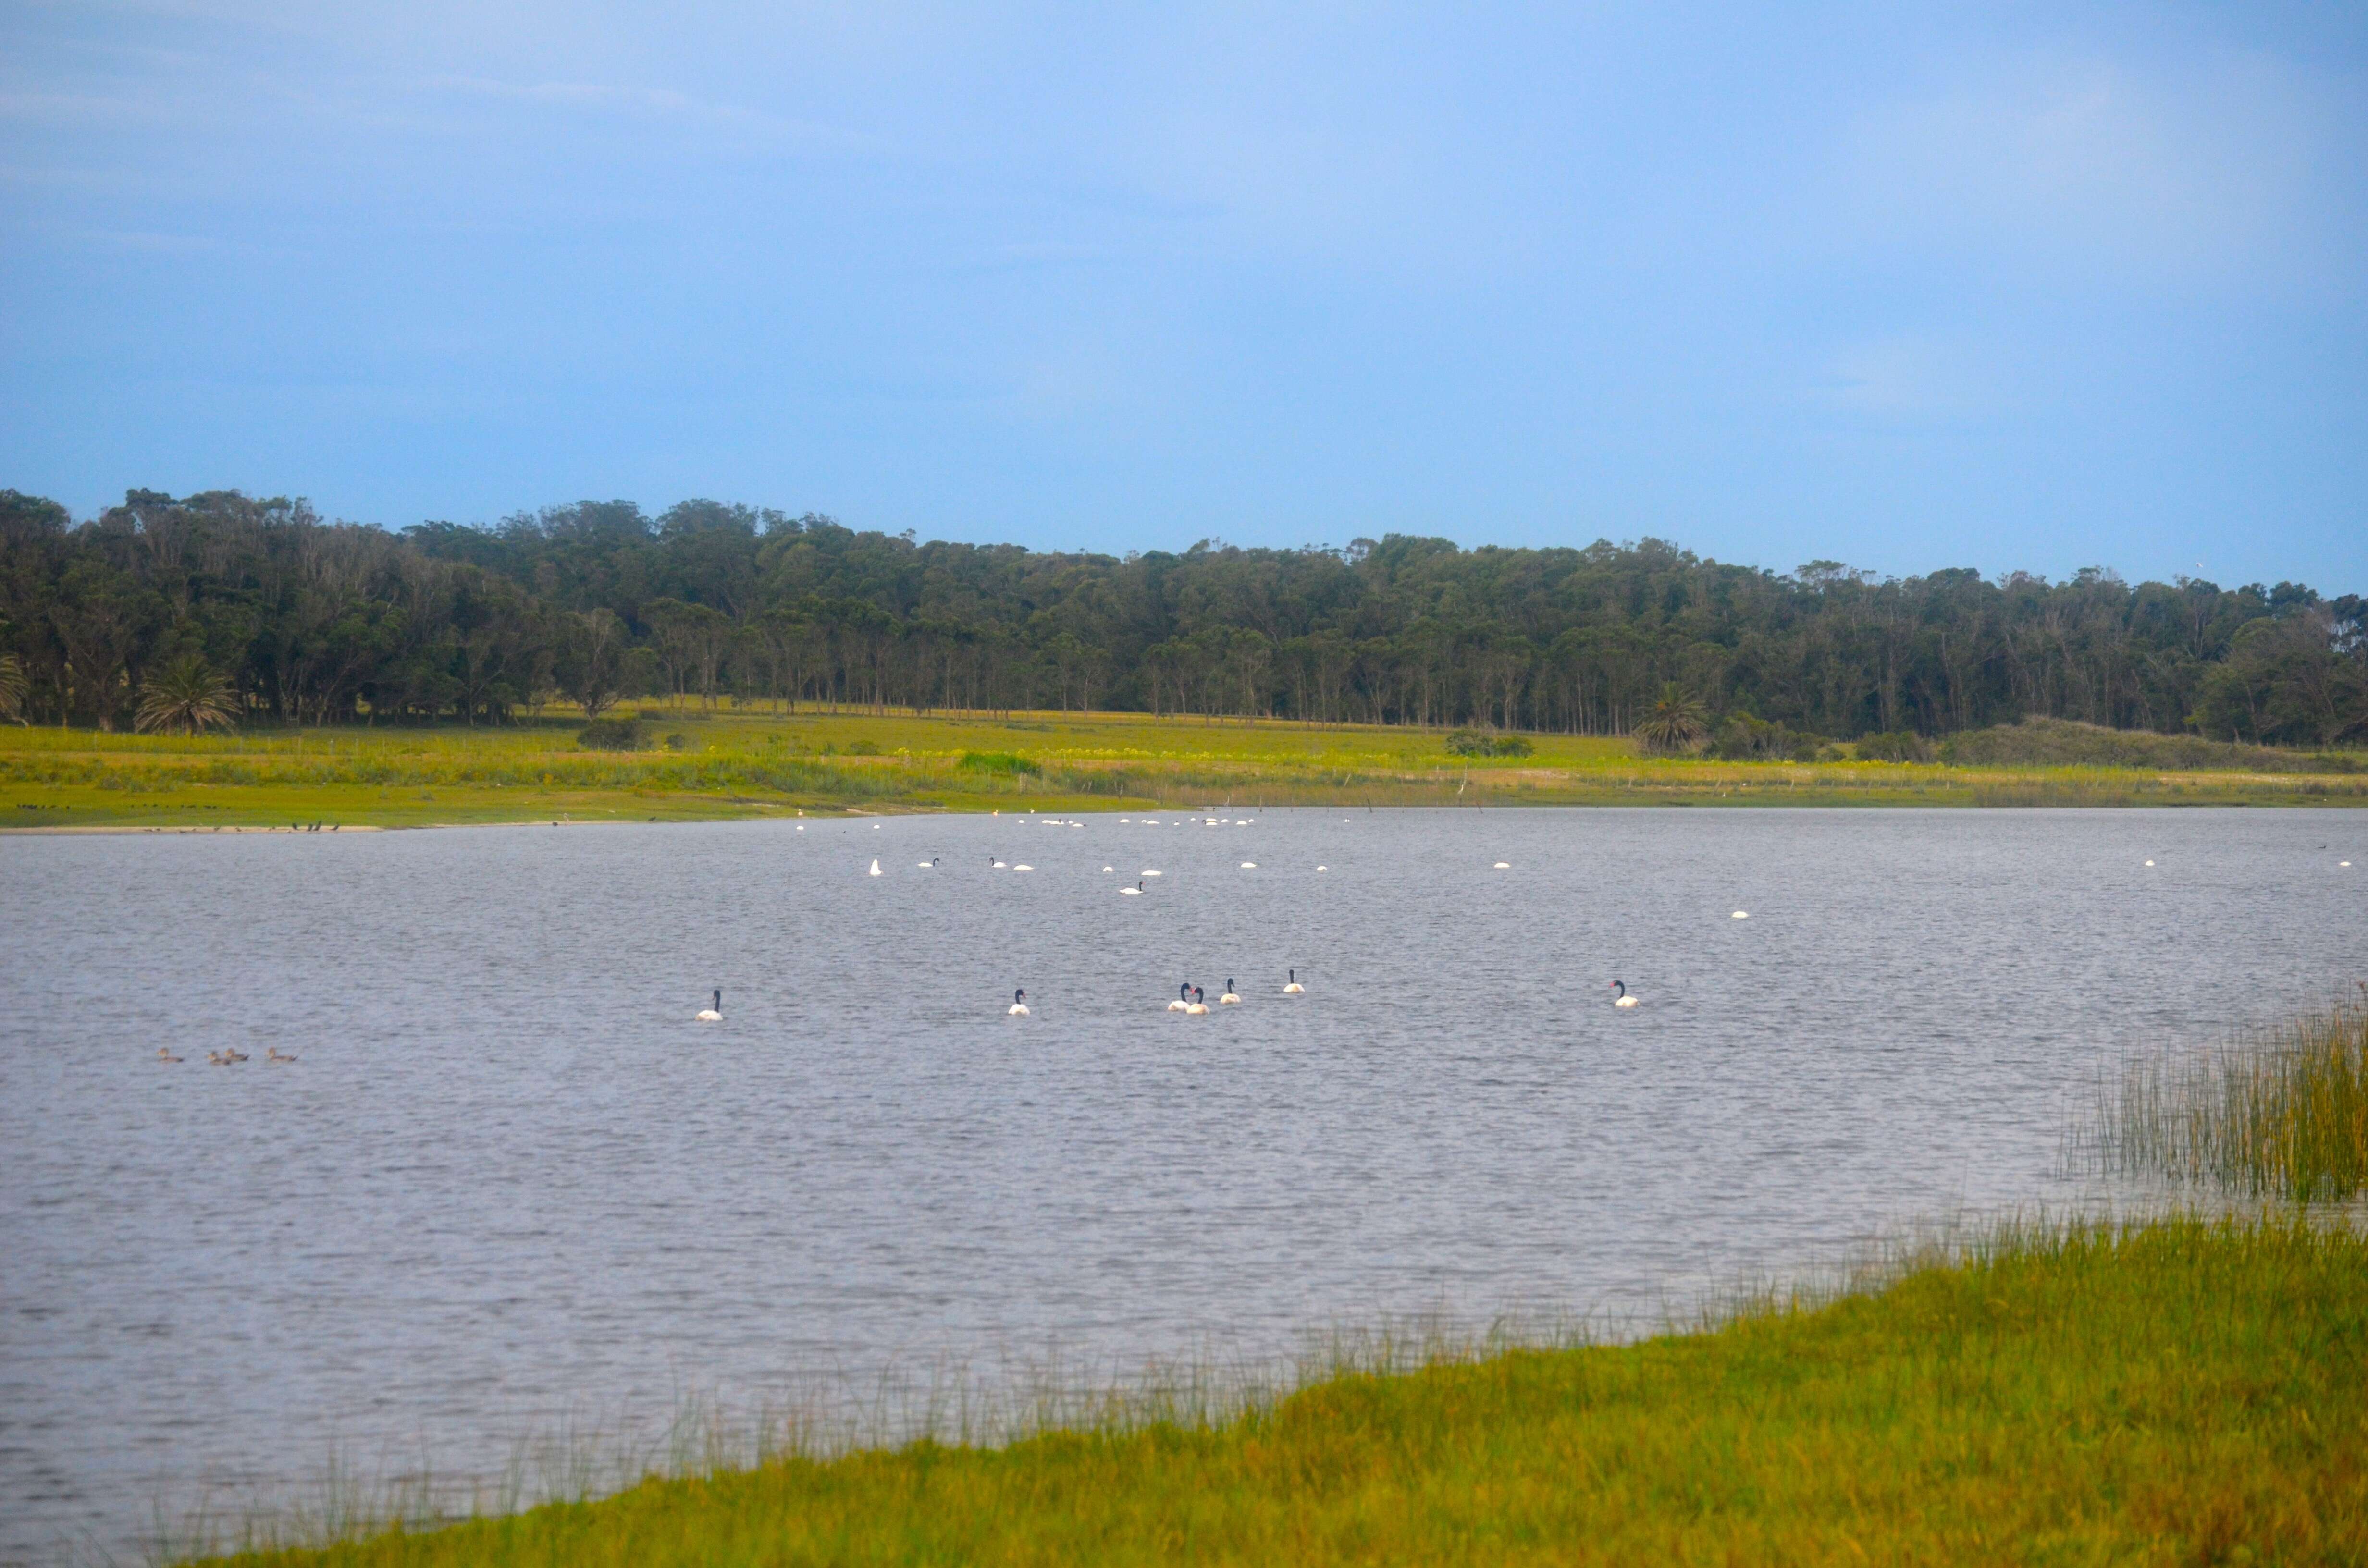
(719, 1000)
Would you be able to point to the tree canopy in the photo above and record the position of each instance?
(317, 621)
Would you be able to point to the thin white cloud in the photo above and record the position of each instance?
(2096, 165)
(740, 123)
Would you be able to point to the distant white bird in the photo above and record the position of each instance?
(1740, 915)
(875, 867)
(1001, 867)
(922, 865)
(1502, 866)
(1249, 864)
(713, 1012)
(1624, 999)
(1023, 867)
(1107, 870)
(1323, 867)
(1295, 988)
(802, 828)
(1019, 1008)
(2345, 864)
(1151, 873)
(2149, 862)
(1130, 892)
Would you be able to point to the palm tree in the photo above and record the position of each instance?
(12, 687)
(184, 697)
(1678, 720)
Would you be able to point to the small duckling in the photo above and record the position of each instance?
(165, 1055)
(233, 1054)
(217, 1059)
(276, 1055)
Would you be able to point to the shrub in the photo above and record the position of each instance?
(1480, 743)
(860, 748)
(677, 742)
(1742, 738)
(1894, 746)
(611, 734)
(1008, 762)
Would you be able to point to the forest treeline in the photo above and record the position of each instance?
(305, 620)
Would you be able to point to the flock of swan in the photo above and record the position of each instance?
(1190, 999)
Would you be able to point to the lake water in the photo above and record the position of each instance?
(510, 1183)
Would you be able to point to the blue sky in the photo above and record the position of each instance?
(2004, 286)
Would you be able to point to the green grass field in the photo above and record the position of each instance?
(2175, 1393)
(729, 763)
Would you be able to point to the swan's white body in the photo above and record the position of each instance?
(1023, 867)
(1151, 873)
(1228, 1000)
(1295, 988)
(1197, 1007)
(1019, 1010)
(709, 1016)
(1130, 892)
(1625, 1002)
(1249, 864)
(1180, 1007)
(1502, 866)
(1740, 915)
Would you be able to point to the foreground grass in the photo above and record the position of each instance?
(735, 764)
(2282, 1113)
(2179, 1391)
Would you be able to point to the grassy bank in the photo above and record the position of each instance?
(730, 763)
(2282, 1113)
(2177, 1391)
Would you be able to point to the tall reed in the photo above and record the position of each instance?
(2280, 1113)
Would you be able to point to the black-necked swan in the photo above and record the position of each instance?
(1183, 1002)
(1019, 1004)
(1295, 988)
(1133, 892)
(1199, 1002)
(1624, 999)
(1228, 999)
(713, 1012)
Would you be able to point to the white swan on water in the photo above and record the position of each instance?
(1229, 999)
(1295, 988)
(713, 1012)
(1019, 1008)
(1183, 1003)
(1134, 892)
(1624, 999)
(875, 867)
